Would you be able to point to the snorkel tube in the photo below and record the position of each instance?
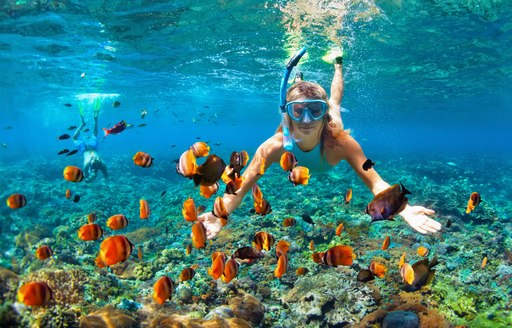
(287, 138)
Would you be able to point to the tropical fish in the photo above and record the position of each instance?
(200, 149)
(385, 243)
(263, 208)
(92, 217)
(407, 273)
(208, 191)
(143, 113)
(247, 254)
(307, 218)
(473, 201)
(230, 270)
(423, 274)
(189, 210)
(163, 289)
(339, 229)
(257, 195)
(117, 222)
(76, 199)
(282, 247)
(288, 161)
(74, 151)
(378, 269)
(64, 136)
(301, 271)
(16, 201)
(388, 203)
(72, 127)
(163, 193)
(365, 275)
(289, 222)
(139, 253)
(116, 104)
(218, 263)
(113, 250)
(144, 211)
(401, 261)
(220, 211)
(116, 129)
(68, 105)
(141, 125)
(448, 223)
(299, 175)
(335, 256)
(311, 245)
(63, 151)
(188, 249)
(210, 171)
(142, 159)
(422, 251)
(187, 274)
(198, 235)
(90, 231)
(34, 293)
(44, 252)
(73, 174)
(263, 240)
(484, 262)
(348, 196)
(68, 194)
(282, 265)
(237, 161)
(187, 166)
(234, 185)
(368, 164)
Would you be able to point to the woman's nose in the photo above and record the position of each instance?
(307, 118)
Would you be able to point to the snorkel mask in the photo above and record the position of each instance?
(287, 138)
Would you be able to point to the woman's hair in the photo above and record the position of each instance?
(309, 90)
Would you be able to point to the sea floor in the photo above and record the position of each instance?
(462, 292)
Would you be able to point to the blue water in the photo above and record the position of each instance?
(424, 81)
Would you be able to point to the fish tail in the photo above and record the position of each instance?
(404, 190)
(106, 133)
(434, 262)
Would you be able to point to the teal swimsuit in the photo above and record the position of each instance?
(313, 159)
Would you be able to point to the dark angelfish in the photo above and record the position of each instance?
(388, 203)
(423, 274)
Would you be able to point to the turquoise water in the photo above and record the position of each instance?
(427, 86)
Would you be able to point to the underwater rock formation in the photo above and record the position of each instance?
(108, 317)
(248, 308)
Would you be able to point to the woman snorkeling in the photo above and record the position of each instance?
(312, 127)
(88, 146)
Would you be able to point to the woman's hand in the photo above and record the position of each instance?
(418, 218)
(211, 223)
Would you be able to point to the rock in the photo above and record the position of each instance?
(248, 308)
(401, 319)
(108, 317)
(220, 312)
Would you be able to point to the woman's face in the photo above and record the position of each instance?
(307, 127)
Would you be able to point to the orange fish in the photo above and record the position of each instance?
(68, 194)
(247, 254)
(311, 245)
(299, 175)
(34, 293)
(144, 211)
(263, 208)
(234, 185)
(484, 262)
(385, 243)
(339, 229)
(142, 159)
(282, 247)
(407, 273)
(220, 211)
(116, 222)
(163, 289)
(339, 255)
(301, 271)
(200, 149)
(289, 222)
(348, 196)
(378, 269)
(92, 217)
(16, 201)
(198, 235)
(187, 164)
(473, 201)
(218, 264)
(422, 251)
(113, 250)
(230, 270)
(208, 191)
(44, 252)
(90, 231)
(402, 261)
(187, 274)
(189, 210)
(263, 240)
(282, 265)
(262, 165)
(73, 174)
(257, 195)
(288, 161)
(139, 253)
(318, 257)
(188, 250)
(210, 172)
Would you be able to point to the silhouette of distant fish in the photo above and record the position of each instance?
(163, 193)
(63, 151)
(368, 164)
(76, 199)
(72, 152)
(87, 130)
(307, 218)
(9, 127)
(448, 223)
(72, 127)
(142, 125)
(68, 105)
(64, 136)
(116, 104)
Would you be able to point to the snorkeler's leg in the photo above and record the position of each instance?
(97, 104)
(337, 87)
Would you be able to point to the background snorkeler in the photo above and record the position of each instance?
(88, 145)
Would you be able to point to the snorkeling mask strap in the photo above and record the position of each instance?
(287, 139)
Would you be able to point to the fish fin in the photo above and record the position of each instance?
(434, 262)
(197, 179)
(106, 132)
(430, 277)
(404, 190)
